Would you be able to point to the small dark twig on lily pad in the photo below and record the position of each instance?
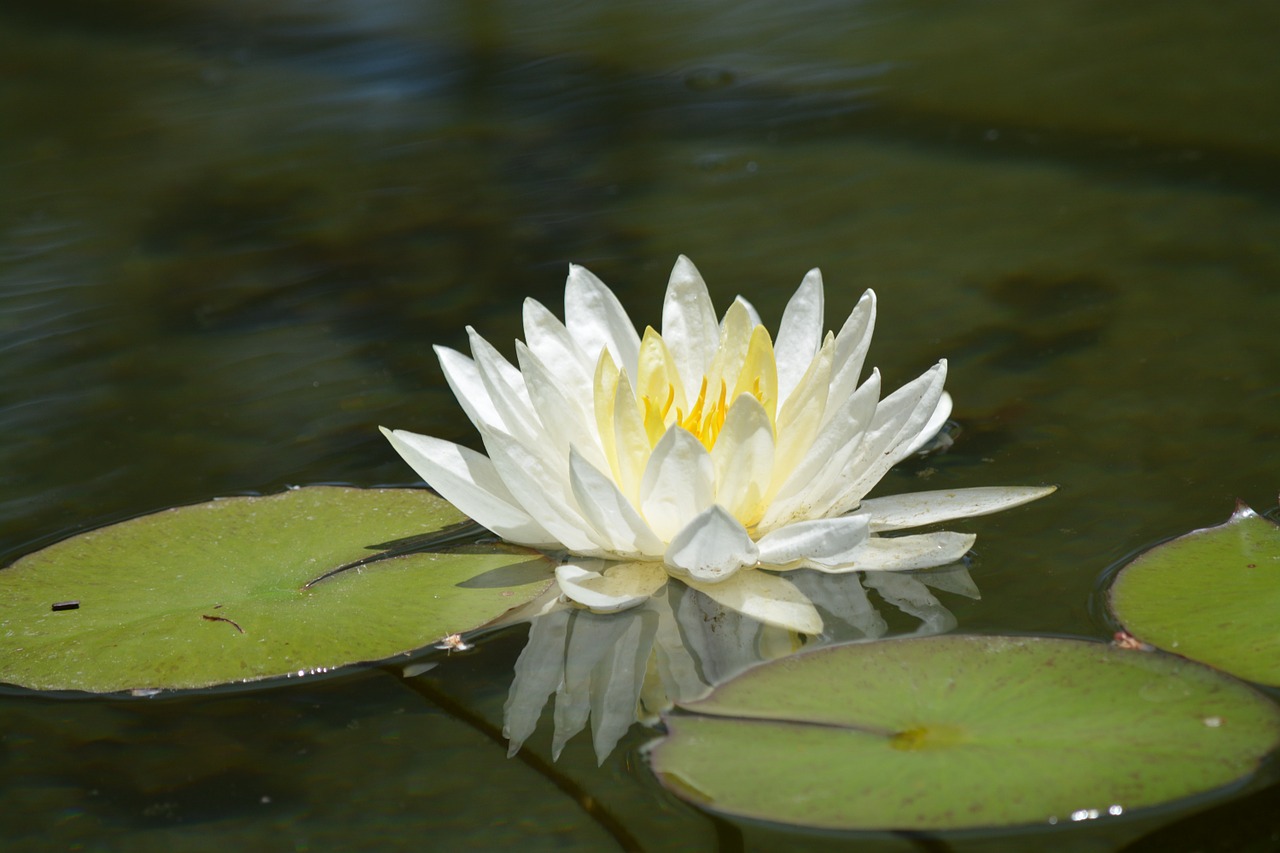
(232, 622)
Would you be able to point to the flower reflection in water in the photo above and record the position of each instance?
(613, 670)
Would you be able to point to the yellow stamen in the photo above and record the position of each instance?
(655, 417)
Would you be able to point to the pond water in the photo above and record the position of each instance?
(230, 234)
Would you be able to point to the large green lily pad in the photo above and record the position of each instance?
(1212, 595)
(218, 592)
(957, 732)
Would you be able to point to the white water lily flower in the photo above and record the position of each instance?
(708, 448)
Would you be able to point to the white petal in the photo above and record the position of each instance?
(921, 551)
(609, 512)
(620, 587)
(507, 393)
(470, 481)
(766, 598)
(678, 483)
(488, 358)
(800, 333)
(830, 541)
(743, 457)
(827, 462)
(934, 425)
(731, 351)
(543, 493)
(551, 341)
(852, 342)
(689, 324)
(800, 418)
(752, 313)
(598, 319)
(898, 420)
(711, 547)
(464, 380)
(916, 509)
(564, 419)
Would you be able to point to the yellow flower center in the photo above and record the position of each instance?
(661, 397)
(633, 418)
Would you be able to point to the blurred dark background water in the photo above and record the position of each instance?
(231, 232)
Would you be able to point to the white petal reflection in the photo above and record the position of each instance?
(613, 670)
(910, 596)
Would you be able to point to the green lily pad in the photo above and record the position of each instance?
(957, 732)
(1212, 595)
(219, 592)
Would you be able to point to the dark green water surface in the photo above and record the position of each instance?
(231, 232)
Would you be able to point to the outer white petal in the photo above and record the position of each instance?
(620, 587)
(507, 393)
(830, 541)
(765, 597)
(800, 417)
(827, 461)
(464, 380)
(543, 493)
(564, 419)
(935, 423)
(711, 548)
(678, 483)
(470, 481)
(605, 508)
(689, 324)
(898, 420)
(921, 551)
(743, 457)
(551, 341)
(488, 358)
(852, 343)
(800, 333)
(916, 509)
(598, 319)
